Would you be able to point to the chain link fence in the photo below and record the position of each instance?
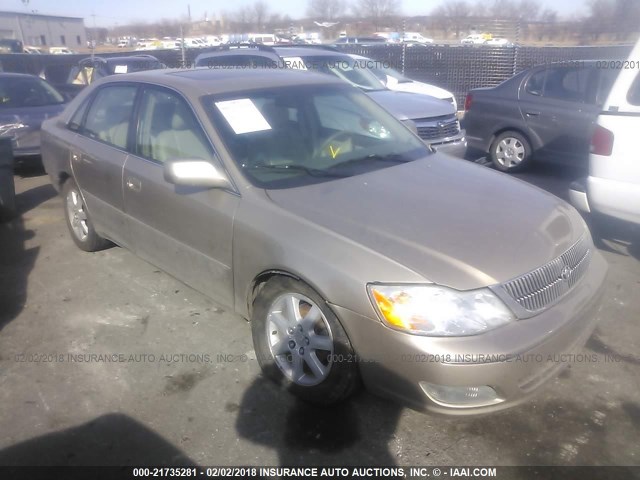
(453, 67)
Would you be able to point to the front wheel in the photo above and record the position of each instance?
(78, 221)
(301, 345)
(510, 152)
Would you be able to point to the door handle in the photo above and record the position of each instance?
(533, 114)
(134, 184)
(75, 157)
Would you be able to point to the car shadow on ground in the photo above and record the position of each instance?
(16, 257)
(109, 440)
(356, 432)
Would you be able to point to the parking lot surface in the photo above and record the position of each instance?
(106, 360)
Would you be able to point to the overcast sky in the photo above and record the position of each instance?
(111, 12)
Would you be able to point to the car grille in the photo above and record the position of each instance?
(438, 129)
(542, 287)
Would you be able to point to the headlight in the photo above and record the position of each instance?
(438, 311)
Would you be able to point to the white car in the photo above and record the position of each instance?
(498, 42)
(613, 185)
(394, 80)
(475, 39)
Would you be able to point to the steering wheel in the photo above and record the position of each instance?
(322, 149)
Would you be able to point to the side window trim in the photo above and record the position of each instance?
(137, 115)
(91, 100)
(541, 94)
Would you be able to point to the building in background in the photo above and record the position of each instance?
(37, 30)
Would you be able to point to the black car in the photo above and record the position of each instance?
(25, 102)
(546, 113)
(88, 70)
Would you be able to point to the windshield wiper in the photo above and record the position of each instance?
(313, 172)
(391, 157)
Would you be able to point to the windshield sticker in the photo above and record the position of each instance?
(243, 116)
(121, 69)
(295, 63)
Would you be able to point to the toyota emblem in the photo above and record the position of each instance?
(566, 272)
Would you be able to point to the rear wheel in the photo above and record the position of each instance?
(510, 152)
(78, 221)
(301, 345)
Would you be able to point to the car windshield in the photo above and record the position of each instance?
(343, 67)
(382, 72)
(289, 137)
(19, 91)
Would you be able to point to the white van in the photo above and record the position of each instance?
(416, 37)
(613, 185)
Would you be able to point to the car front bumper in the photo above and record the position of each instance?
(456, 148)
(529, 352)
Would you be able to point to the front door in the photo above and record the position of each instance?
(183, 230)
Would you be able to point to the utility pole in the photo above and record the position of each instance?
(93, 40)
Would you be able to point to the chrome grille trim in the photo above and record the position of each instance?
(438, 128)
(544, 286)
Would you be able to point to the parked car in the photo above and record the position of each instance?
(415, 37)
(60, 51)
(360, 41)
(25, 102)
(613, 185)
(498, 42)
(90, 69)
(475, 39)
(11, 45)
(435, 120)
(545, 113)
(394, 80)
(354, 250)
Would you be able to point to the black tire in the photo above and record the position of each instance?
(88, 240)
(516, 160)
(342, 379)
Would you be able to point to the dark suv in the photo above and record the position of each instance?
(545, 113)
(434, 120)
(88, 70)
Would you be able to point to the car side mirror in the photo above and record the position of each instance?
(195, 173)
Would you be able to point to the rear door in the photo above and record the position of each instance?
(99, 155)
(555, 106)
(185, 231)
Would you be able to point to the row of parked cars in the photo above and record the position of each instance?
(308, 198)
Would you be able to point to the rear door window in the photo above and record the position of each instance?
(535, 84)
(109, 117)
(567, 83)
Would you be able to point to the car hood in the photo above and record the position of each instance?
(29, 116)
(418, 87)
(406, 105)
(454, 223)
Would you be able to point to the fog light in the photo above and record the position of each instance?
(461, 397)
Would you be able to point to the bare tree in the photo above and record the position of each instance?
(326, 9)
(600, 19)
(377, 10)
(549, 19)
(455, 13)
(260, 10)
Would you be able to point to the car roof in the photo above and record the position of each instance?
(308, 52)
(205, 81)
(120, 60)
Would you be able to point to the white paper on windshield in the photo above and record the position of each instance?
(295, 63)
(243, 116)
(120, 69)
